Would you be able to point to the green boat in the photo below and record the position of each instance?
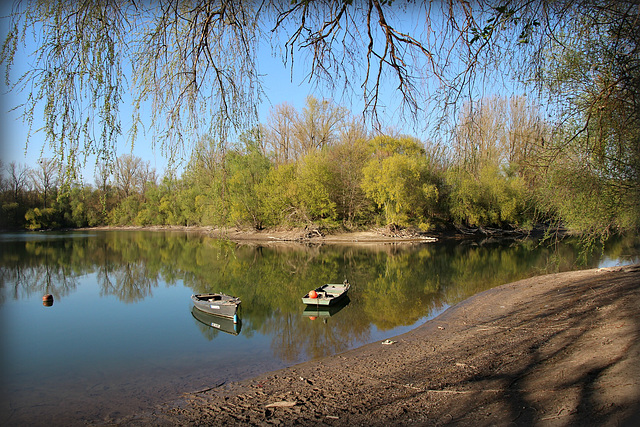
(328, 294)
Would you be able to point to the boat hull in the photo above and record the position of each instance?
(217, 304)
(327, 295)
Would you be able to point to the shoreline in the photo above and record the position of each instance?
(315, 236)
(560, 349)
(295, 235)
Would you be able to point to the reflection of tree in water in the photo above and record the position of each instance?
(131, 282)
(37, 280)
(35, 268)
(285, 344)
(392, 285)
(296, 336)
(401, 289)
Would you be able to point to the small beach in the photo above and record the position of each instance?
(554, 350)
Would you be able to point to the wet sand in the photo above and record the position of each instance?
(555, 350)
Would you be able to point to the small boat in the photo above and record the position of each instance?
(217, 304)
(328, 294)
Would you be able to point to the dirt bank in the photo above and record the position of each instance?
(300, 235)
(562, 349)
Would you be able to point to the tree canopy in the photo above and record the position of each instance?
(194, 72)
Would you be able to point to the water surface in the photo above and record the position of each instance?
(121, 335)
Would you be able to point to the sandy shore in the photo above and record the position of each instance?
(301, 235)
(555, 350)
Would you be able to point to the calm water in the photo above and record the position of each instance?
(121, 336)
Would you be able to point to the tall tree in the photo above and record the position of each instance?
(18, 176)
(279, 133)
(397, 179)
(45, 178)
(292, 135)
(132, 175)
(319, 125)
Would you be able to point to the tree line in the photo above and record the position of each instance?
(197, 75)
(321, 168)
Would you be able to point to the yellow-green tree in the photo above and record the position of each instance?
(397, 179)
(490, 197)
(314, 178)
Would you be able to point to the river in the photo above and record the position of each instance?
(121, 335)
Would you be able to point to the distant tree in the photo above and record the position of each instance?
(103, 175)
(247, 167)
(291, 135)
(279, 196)
(491, 197)
(18, 177)
(205, 193)
(500, 131)
(346, 161)
(132, 175)
(45, 178)
(319, 125)
(279, 133)
(313, 184)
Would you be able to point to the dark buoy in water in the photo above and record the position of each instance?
(47, 300)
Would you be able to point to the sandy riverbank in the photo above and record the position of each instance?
(300, 235)
(555, 350)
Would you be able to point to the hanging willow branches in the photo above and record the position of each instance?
(192, 67)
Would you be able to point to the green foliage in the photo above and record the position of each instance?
(593, 75)
(492, 198)
(346, 162)
(588, 203)
(205, 183)
(246, 172)
(492, 177)
(125, 212)
(314, 180)
(41, 218)
(384, 146)
(399, 181)
(278, 195)
(82, 207)
(12, 215)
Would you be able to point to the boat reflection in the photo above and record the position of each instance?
(214, 323)
(319, 311)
